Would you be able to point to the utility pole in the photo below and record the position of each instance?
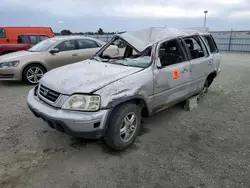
(205, 19)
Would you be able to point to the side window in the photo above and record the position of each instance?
(206, 40)
(21, 39)
(43, 37)
(86, 43)
(170, 52)
(33, 39)
(203, 45)
(210, 43)
(67, 45)
(196, 47)
(2, 33)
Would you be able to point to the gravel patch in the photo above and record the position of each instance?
(208, 147)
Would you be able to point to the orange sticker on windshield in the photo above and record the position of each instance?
(176, 74)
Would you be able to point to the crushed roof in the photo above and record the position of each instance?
(143, 38)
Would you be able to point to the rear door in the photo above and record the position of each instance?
(201, 62)
(213, 49)
(87, 48)
(68, 53)
(172, 75)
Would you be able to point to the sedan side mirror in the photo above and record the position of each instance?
(54, 51)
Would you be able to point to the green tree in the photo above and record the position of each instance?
(66, 32)
(100, 31)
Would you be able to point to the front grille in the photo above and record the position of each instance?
(48, 94)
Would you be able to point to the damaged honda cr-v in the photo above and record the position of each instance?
(106, 96)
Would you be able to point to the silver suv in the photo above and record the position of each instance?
(105, 97)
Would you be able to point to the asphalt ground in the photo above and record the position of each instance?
(207, 147)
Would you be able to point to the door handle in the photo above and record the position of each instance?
(74, 54)
(184, 70)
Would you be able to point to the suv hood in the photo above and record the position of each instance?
(16, 55)
(85, 77)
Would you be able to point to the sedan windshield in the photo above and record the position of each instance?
(43, 46)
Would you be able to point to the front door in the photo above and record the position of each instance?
(68, 53)
(172, 75)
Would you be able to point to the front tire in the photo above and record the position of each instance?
(124, 126)
(33, 73)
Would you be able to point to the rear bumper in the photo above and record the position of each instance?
(90, 125)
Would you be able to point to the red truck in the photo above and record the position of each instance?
(24, 42)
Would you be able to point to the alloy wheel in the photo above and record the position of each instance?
(128, 127)
(34, 74)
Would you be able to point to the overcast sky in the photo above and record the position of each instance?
(120, 15)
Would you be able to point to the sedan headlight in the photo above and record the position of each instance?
(80, 102)
(9, 64)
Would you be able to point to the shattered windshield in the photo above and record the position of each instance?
(134, 62)
(121, 53)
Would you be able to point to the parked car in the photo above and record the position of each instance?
(10, 34)
(24, 42)
(31, 65)
(107, 96)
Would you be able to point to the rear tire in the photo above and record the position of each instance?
(124, 125)
(33, 73)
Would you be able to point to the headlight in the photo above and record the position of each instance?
(9, 64)
(82, 103)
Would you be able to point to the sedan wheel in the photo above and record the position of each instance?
(33, 73)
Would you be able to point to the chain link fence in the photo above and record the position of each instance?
(232, 40)
(226, 40)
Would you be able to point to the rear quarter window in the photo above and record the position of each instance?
(2, 33)
(211, 43)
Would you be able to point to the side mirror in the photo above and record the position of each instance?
(54, 51)
(105, 57)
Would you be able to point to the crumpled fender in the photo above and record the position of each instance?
(135, 86)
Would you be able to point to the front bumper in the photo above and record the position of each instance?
(11, 73)
(90, 125)
(218, 71)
